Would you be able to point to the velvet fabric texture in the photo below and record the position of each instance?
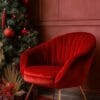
(61, 62)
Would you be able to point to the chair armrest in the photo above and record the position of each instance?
(75, 69)
(23, 60)
(31, 56)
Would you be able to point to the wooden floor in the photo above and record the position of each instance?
(69, 94)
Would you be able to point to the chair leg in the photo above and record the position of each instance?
(30, 89)
(59, 94)
(83, 93)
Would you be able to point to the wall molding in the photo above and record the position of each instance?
(88, 22)
(79, 19)
(68, 10)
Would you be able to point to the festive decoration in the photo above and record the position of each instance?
(13, 16)
(9, 32)
(11, 82)
(19, 35)
(24, 31)
(4, 15)
(14, 40)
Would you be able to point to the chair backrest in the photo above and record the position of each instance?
(81, 48)
(63, 47)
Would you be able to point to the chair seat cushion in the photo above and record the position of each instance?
(41, 75)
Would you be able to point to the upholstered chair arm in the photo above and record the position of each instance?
(23, 61)
(30, 56)
(33, 56)
(69, 72)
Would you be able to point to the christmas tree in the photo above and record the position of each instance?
(16, 33)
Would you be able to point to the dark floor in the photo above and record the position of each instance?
(70, 94)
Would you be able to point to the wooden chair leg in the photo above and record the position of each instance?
(30, 89)
(59, 94)
(83, 93)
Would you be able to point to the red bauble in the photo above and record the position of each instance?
(9, 32)
(24, 31)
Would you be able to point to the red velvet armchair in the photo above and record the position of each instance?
(59, 63)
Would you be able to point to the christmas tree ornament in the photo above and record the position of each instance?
(24, 31)
(9, 32)
(4, 15)
(13, 16)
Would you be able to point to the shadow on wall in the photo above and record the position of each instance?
(94, 79)
(34, 13)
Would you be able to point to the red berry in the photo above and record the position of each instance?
(24, 31)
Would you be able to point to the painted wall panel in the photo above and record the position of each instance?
(79, 9)
(48, 12)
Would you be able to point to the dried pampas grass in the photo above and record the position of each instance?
(12, 75)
